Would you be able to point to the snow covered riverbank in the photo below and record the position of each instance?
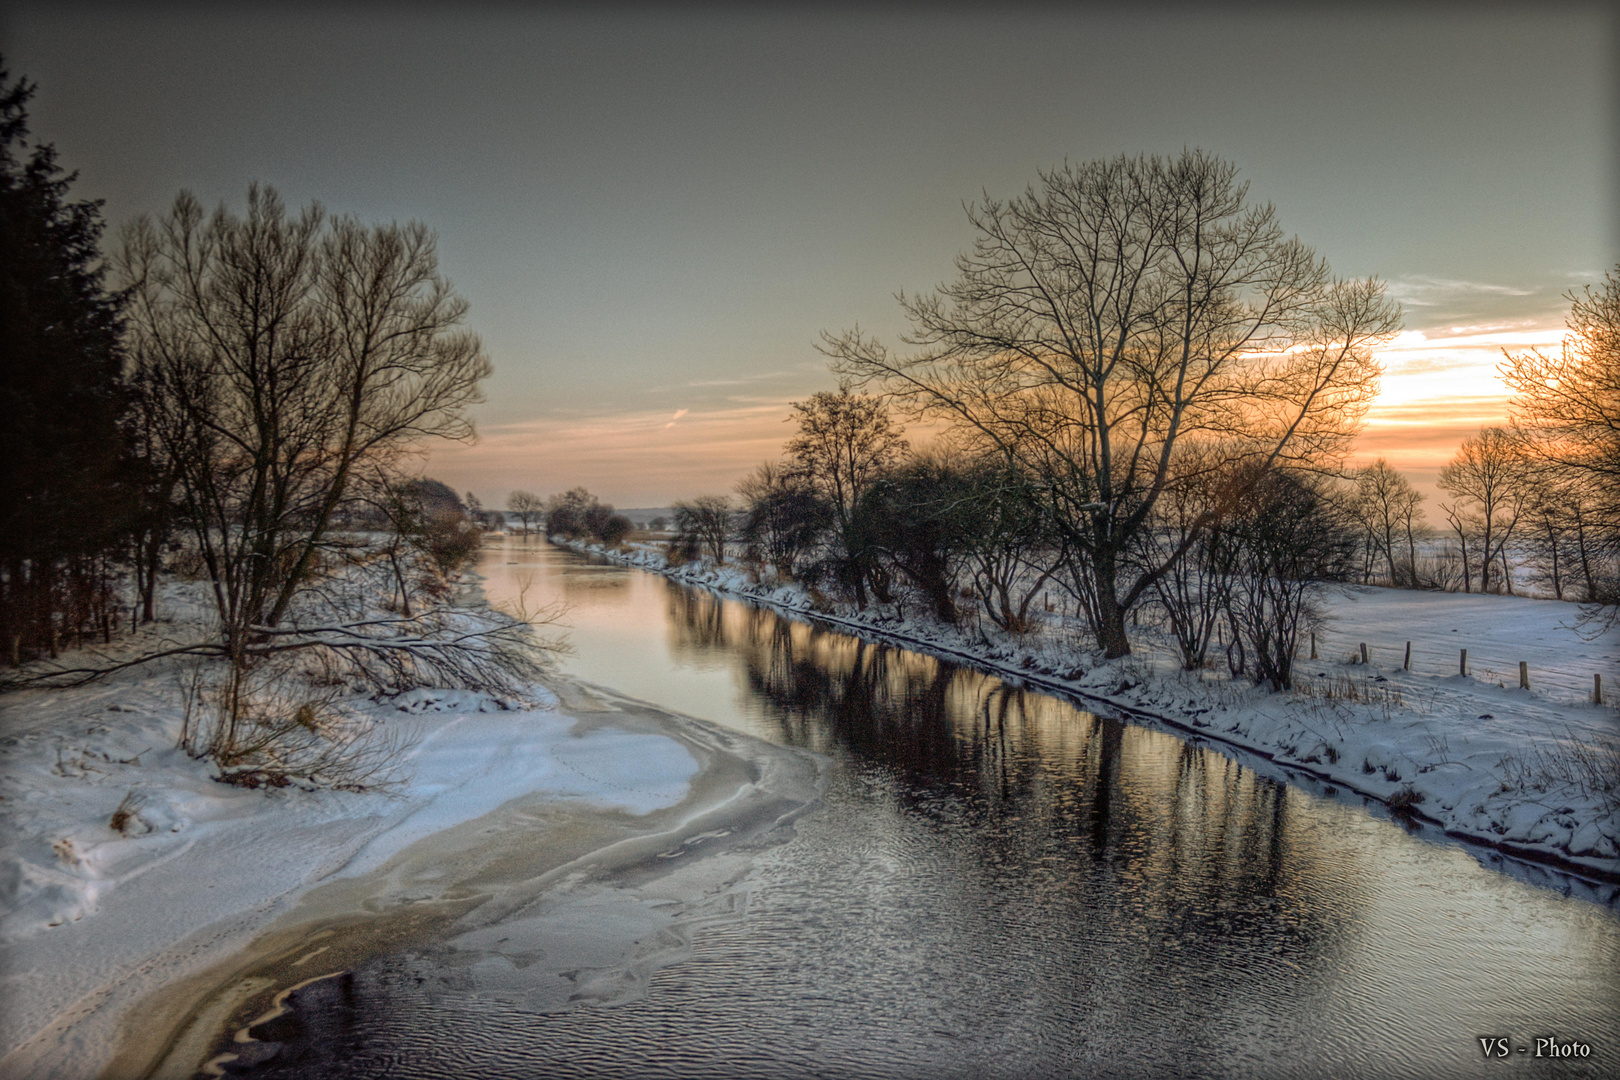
(1534, 773)
(100, 910)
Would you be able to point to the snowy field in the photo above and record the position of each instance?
(94, 919)
(1534, 773)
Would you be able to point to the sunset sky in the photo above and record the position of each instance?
(654, 212)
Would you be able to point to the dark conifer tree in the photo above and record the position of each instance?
(67, 490)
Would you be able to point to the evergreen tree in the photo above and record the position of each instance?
(67, 497)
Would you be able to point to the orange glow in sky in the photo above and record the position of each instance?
(682, 454)
(1439, 386)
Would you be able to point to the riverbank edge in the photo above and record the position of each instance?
(82, 1006)
(1595, 871)
(785, 781)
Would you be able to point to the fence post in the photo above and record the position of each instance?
(1406, 665)
(1462, 663)
(1524, 675)
(1313, 644)
(1597, 689)
(1364, 652)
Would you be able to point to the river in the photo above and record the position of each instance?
(994, 883)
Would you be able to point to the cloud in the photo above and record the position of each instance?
(1420, 291)
(739, 381)
(678, 414)
(1438, 367)
(1441, 385)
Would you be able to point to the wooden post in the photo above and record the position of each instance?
(1364, 652)
(1462, 664)
(1524, 675)
(1313, 644)
(1406, 665)
(1597, 689)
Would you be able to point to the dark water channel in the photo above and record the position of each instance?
(999, 884)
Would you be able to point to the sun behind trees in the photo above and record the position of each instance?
(1567, 410)
(1121, 309)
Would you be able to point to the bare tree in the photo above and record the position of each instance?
(567, 514)
(922, 520)
(527, 506)
(1123, 306)
(1568, 407)
(1011, 552)
(704, 523)
(1388, 507)
(284, 356)
(845, 444)
(1290, 542)
(1488, 477)
(1549, 528)
(1195, 591)
(783, 516)
(1570, 403)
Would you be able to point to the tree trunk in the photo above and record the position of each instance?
(1585, 558)
(1557, 577)
(1111, 635)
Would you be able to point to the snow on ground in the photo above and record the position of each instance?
(1535, 773)
(94, 917)
(1497, 631)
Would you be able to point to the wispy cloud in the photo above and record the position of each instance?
(1468, 352)
(678, 414)
(1420, 291)
(740, 381)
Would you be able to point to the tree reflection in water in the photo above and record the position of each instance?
(1192, 841)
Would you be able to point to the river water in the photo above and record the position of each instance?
(995, 883)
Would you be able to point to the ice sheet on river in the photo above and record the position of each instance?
(94, 920)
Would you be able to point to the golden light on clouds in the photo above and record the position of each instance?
(1440, 386)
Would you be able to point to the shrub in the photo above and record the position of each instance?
(450, 541)
(615, 529)
(266, 726)
(1404, 802)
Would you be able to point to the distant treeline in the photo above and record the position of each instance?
(573, 514)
